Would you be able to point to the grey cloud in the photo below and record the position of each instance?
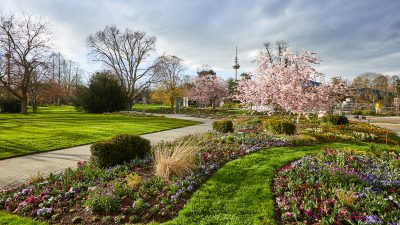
(351, 36)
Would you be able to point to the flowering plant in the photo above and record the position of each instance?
(339, 187)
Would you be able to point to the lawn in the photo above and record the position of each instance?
(140, 106)
(62, 127)
(10, 219)
(240, 192)
(162, 109)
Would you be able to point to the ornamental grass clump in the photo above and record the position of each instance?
(175, 160)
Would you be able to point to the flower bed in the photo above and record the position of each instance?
(132, 193)
(354, 131)
(125, 193)
(340, 187)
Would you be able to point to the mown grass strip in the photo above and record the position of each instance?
(10, 219)
(63, 127)
(240, 192)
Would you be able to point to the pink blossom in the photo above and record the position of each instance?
(208, 89)
(292, 85)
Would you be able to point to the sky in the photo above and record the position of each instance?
(351, 36)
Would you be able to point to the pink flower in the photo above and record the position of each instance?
(30, 199)
(288, 84)
(288, 214)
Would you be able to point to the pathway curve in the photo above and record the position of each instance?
(390, 123)
(17, 170)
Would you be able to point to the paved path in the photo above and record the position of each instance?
(390, 123)
(17, 170)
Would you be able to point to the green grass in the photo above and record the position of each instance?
(10, 219)
(140, 106)
(62, 127)
(240, 193)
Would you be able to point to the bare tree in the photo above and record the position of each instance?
(127, 54)
(26, 42)
(66, 73)
(169, 71)
(276, 54)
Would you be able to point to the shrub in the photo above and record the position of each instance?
(368, 113)
(176, 160)
(279, 126)
(223, 126)
(357, 112)
(335, 119)
(120, 149)
(10, 105)
(104, 94)
(302, 139)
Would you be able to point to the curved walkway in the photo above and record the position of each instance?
(390, 123)
(17, 170)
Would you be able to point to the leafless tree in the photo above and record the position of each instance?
(66, 73)
(275, 54)
(127, 54)
(25, 42)
(373, 87)
(169, 72)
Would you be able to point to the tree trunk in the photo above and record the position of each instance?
(34, 104)
(128, 106)
(298, 118)
(24, 106)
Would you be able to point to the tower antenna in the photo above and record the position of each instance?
(236, 66)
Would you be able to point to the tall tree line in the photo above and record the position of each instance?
(375, 87)
(29, 69)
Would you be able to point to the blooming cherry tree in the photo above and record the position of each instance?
(208, 89)
(291, 84)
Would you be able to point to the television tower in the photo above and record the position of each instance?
(236, 66)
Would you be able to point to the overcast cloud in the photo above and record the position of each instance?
(352, 37)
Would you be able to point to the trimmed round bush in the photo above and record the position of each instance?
(335, 119)
(223, 126)
(122, 148)
(279, 126)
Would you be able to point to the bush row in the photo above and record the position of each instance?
(10, 105)
(335, 119)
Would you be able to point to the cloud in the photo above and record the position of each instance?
(351, 36)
